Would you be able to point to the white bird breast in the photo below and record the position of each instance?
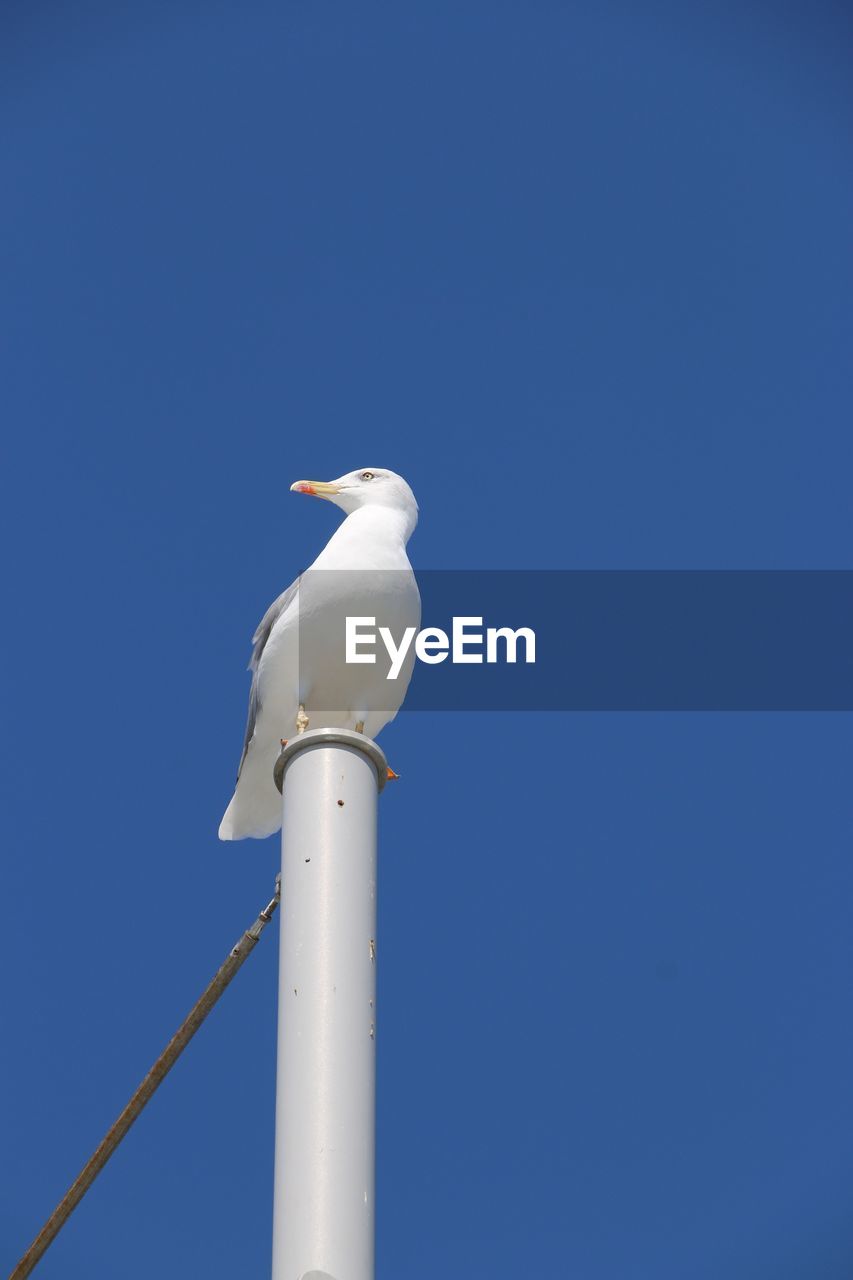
(305, 663)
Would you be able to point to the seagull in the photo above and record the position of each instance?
(299, 677)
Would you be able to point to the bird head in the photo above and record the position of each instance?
(368, 487)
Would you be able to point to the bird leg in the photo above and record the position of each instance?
(301, 719)
(390, 774)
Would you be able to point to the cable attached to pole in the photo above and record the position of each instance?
(236, 958)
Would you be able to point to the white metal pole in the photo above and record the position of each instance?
(323, 1213)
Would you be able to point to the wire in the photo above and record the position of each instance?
(146, 1090)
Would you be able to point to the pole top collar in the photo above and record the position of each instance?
(329, 738)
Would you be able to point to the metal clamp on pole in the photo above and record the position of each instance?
(321, 737)
(323, 1216)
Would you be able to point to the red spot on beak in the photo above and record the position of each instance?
(306, 488)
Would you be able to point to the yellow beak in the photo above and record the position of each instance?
(317, 488)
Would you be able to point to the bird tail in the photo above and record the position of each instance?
(228, 825)
(255, 809)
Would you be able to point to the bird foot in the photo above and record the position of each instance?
(359, 726)
(392, 776)
(301, 720)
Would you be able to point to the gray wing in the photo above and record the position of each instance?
(259, 640)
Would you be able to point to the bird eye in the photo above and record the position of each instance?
(367, 475)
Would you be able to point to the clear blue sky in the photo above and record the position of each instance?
(582, 273)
